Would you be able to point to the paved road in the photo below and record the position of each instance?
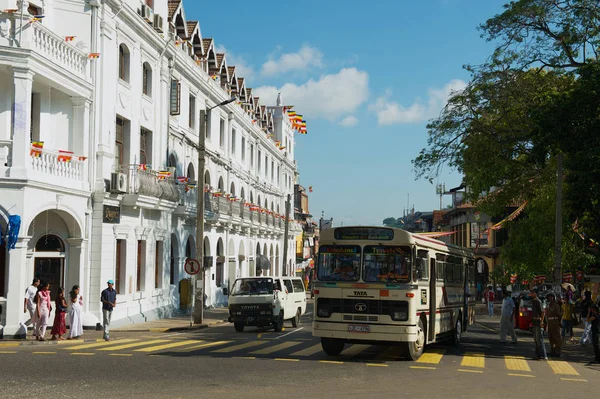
(256, 363)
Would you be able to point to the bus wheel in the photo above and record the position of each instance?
(331, 346)
(415, 349)
(457, 333)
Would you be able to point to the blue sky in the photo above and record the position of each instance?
(367, 76)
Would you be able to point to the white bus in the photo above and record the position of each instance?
(379, 285)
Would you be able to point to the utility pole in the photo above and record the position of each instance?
(439, 190)
(286, 231)
(198, 295)
(558, 226)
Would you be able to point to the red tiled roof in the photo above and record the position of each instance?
(231, 70)
(240, 82)
(191, 25)
(173, 5)
(439, 218)
(220, 58)
(206, 43)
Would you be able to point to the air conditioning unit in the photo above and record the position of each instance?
(146, 13)
(158, 23)
(118, 183)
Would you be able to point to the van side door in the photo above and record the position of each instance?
(299, 295)
(289, 311)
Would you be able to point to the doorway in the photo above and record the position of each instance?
(49, 262)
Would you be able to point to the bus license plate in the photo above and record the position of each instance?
(359, 329)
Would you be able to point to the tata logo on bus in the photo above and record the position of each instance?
(360, 307)
(360, 293)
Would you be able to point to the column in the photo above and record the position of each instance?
(17, 283)
(81, 133)
(21, 142)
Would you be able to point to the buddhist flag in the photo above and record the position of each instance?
(310, 190)
(278, 143)
(10, 11)
(81, 158)
(36, 18)
(36, 149)
(183, 179)
(214, 77)
(142, 166)
(69, 38)
(163, 175)
(282, 148)
(217, 194)
(291, 113)
(65, 156)
(93, 55)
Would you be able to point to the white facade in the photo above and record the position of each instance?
(91, 205)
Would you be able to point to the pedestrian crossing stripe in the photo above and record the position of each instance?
(133, 345)
(238, 347)
(355, 350)
(431, 358)
(202, 346)
(562, 367)
(311, 350)
(168, 346)
(516, 363)
(275, 348)
(98, 344)
(473, 360)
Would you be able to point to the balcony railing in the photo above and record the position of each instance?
(147, 182)
(55, 164)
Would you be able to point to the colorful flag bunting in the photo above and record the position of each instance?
(69, 38)
(64, 156)
(36, 149)
(93, 55)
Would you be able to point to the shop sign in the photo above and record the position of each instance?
(111, 214)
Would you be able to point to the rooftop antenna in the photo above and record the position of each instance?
(440, 189)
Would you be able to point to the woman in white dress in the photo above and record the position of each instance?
(75, 320)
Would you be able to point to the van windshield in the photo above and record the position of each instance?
(252, 286)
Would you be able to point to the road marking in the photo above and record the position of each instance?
(516, 363)
(83, 354)
(308, 351)
(167, 346)
(133, 345)
(207, 345)
(120, 354)
(7, 352)
(159, 330)
(245, 357)
(275, 348)
(354, 350)
(9, 344)
(291, 332)
(330, 362)
(521, 375)
(471, 371)
(238, 347)
(473, 360)
(259, 336)
(574, 379)
(281, 359)
(562, 367)
(423, 367)
(98, 344)
(432, 358)
(44, 353)
(487, 328)
(376, 365)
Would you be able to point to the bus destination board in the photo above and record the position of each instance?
(364, 233)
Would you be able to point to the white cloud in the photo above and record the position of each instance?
(242, 68)
(390, 112)
(348, 121)
(306, 57)
(328, 97)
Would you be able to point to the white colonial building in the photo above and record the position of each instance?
(99, 133)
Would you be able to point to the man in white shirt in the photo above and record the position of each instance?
(506, 319)
(30, 305)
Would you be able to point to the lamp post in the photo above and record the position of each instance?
(198, 311)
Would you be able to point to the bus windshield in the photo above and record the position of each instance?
(252, 286)
(386, 264)
(339, 263)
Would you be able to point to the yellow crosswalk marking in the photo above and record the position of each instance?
(206, 345)
(83, 354)
(561, 367)
(275, 348)
(98, 344)
(473, 360)
(308, 351)
(354, 350)
(238, 347)
(133, 345)
(44, 353)
(8, 352)
(167, 346)
(516, 363)
(431, 358)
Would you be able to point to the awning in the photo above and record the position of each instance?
(262, 262)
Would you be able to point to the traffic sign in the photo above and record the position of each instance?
(192, 266)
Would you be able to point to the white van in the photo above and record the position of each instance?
(266, 302)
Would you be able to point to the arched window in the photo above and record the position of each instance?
(49, 243)
(232, 190)
(242, 194)
(147, 79)
(124, 63)
(221, 186)
(191, 175)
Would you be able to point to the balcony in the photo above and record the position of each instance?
(144, 187)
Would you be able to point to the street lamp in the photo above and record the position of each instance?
(198, 312)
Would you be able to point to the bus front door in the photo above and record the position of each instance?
(432, 302)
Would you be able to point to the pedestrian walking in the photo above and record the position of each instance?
(585, 305)
(43, 309)
(108, 297)
(553, 317)
(594, 320)
(59, 327)
(507, 323)
(567, 320)
(75, 319)
(490, 297)
(537, 321)
(29, 305)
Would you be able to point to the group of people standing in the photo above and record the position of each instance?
(39, 305)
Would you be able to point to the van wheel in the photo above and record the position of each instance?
(239, 326)
(414, 350)
(296, 319)
(278, 324)
(331, 346)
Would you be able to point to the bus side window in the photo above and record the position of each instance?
(440, 270)
(421, 266)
